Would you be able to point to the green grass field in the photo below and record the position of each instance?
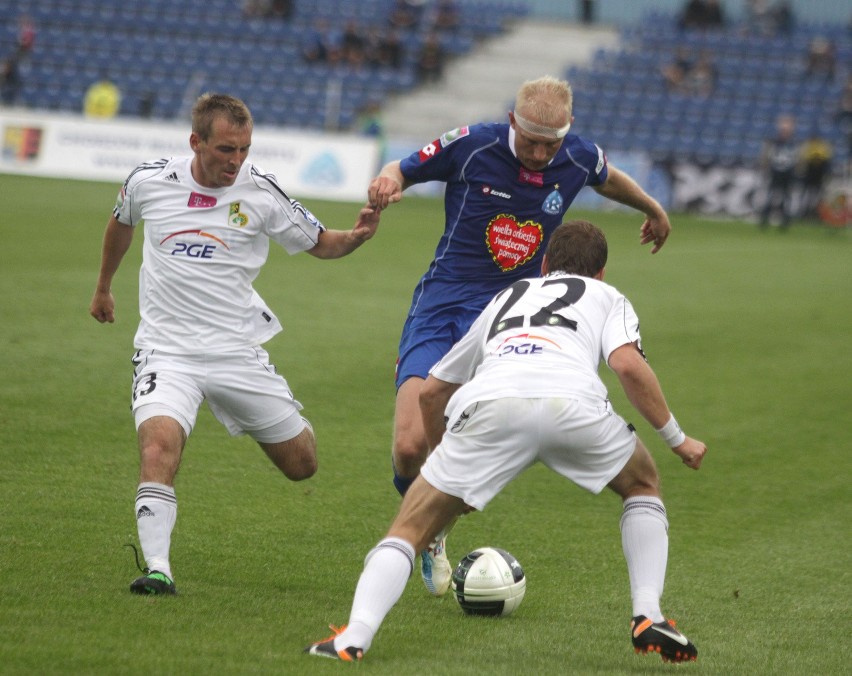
(748, 331)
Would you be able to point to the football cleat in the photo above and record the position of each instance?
(662, 638)
(435, 567)
(325, 648)
(153, 582)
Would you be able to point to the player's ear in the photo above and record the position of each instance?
(194, 140)
(544, 266)
(512, 118)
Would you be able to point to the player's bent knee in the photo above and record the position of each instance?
(409, 455)
(301, 472)
(639, 476)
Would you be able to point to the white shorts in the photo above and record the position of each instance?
(491, 442)
(242, 390)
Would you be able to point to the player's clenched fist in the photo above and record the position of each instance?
(387, 187)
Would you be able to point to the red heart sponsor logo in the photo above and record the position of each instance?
(511, 243)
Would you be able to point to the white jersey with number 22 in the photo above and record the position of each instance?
(540, 337)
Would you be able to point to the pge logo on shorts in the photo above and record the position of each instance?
(191, 249)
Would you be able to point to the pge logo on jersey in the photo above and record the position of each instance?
(186, 247)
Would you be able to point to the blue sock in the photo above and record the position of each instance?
(402, 482)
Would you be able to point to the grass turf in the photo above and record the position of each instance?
(747, 330)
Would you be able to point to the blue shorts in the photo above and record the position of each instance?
(426, 338)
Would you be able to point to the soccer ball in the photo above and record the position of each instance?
(489, 581)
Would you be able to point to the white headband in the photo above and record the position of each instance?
(540, 130)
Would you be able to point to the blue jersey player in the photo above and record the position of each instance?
(508, 187)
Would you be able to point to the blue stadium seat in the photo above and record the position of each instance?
(148, 44)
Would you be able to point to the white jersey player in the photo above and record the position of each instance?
(522, 387)
(203, 249)
(208, 219)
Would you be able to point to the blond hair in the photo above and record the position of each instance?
(545, 100)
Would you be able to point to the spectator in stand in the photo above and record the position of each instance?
(281, 9)
(821, 60)
(843, 118)
(768, 20)
(674, 72)
(779, 160)
(383, 48)
(26, 36)
(702, 14)
(320, 45)
(701, 78)
(447, 16)
(682, 76)
(406, 14)
(102, 99)
(147, 102)
(10, 81)
(815, 163)
(352, 45)
(430, 62)
(391, 53)
(784, 18)
(253, 9)
(372, 44)
(370, 124)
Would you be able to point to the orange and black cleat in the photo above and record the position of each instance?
(662, 638)
(325, 648)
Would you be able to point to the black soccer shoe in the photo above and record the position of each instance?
(663, 638)
(325, 648)
(155, 583)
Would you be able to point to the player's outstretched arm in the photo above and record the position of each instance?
(387, 187)
(642, 388)
(339, 243)
(117, 240)
(621, 188)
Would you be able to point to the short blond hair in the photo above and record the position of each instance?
(544, 100)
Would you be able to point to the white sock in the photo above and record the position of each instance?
(156, 511)
(386, 571)
(645, 541)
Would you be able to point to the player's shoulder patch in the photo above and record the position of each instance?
(601, 159)
(453, 135)
(432, 149)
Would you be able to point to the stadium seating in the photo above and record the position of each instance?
(622, 99)
(169, 51)
(172, 51)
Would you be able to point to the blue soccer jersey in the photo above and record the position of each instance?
(498, 218)
(498, 213)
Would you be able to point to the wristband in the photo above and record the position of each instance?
(671, 433)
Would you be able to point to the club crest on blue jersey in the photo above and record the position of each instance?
(235, 217)
(553, 204)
